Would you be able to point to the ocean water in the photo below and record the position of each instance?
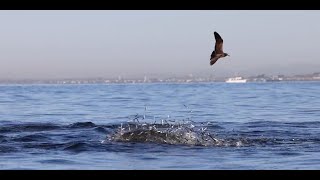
(160, 126)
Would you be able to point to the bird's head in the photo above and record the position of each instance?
(226, 54)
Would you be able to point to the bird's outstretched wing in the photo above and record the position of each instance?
(214, 59)
(219, 44)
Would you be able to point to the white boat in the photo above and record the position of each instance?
(237, 79)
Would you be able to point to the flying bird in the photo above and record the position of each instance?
(218, 50)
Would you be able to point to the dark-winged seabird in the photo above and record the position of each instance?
(218, 49)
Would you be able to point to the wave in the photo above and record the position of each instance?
(87, 136)
(76, 147)
(30, 138)
(179, 133)
(82, 125)
(28, 127)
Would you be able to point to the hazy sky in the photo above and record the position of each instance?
(75, 44)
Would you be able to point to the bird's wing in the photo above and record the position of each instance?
(212, 54)
(219, 43)
(214, 60)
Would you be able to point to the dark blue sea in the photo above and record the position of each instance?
(216, 126)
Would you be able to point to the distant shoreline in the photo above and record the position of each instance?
(262, 78)
(126, 83)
